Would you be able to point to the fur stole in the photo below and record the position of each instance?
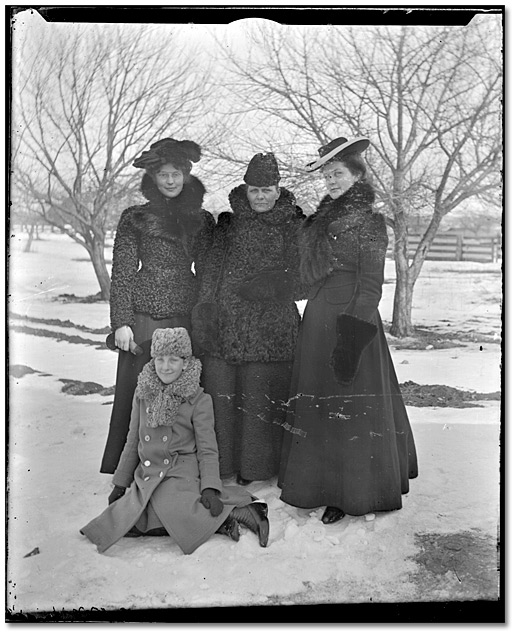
(316, 257)
(164, 400)
(283, 211)
(169, 218)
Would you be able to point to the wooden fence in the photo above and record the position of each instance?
(455, 247)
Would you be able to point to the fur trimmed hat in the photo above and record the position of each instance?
(174, 341)
(180, 153)
(262, 170)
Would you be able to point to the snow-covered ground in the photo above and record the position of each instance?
(56, 442)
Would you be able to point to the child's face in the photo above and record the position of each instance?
(169, 367)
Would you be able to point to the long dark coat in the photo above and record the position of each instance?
(153, 284)
(347, 441)
(167, 467)
(252, 275)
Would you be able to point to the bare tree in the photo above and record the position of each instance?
(429, 99)
(86, 101)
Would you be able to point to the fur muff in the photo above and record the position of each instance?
(353, 336)
(269, 286)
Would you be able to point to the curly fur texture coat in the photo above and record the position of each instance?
(252, 275)
(155, 246)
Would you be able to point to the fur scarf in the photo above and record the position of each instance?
(164, 400)
(177, 217)
(317, 259)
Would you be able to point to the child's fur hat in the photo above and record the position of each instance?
(174, 341)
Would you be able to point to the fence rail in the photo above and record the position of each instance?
(454, 247)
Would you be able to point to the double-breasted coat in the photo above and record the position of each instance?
(166, 469)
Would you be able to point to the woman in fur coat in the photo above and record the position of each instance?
(153, 285)
(170, 461)
(348, 445)
(252, 282)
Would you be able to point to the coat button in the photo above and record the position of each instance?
(165, 438)
(147, 410)
(166, 461)
(147, 463)
(147, 437)
(161, 474)
(146, 478)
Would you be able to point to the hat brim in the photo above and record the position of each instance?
(357, 145)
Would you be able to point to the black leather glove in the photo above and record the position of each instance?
(209, 498)
(116, 494)
(353, 336)
(269, 286)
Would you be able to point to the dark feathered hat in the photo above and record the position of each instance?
(337, 146)
(262, 170)
(180, 153)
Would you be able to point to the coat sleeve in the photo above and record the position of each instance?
(125, 262)
(124, 474)
(356, 326)
(206, 441)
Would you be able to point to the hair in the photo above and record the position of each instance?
(353, 161)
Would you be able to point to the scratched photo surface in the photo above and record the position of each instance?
(88, 98)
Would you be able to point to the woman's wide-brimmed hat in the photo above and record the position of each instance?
(180, 153)
(336, 146)
(262, 170)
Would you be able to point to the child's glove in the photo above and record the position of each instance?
(211, 501)
(116, 493)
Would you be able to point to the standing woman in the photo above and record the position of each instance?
(153, 284)
(252, 279)
(348, 444)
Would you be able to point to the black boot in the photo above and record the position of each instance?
(254, 517)
(231, 528)
(134, 532)
(332, 515)
(242, 481)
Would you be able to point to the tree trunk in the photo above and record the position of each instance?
(30, 236)
(402, 313)
(96, 250)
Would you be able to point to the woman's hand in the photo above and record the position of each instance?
(123, 336)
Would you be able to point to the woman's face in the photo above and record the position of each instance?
(262, 198)
(338, 178)
(169, 367)
(169, 180)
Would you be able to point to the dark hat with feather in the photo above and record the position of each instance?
(262, 170)
(181, 153)
(337, 147)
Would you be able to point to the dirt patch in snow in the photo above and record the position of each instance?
(81, 388)
(61, 323)
(464, 565)
(59, 336)
(443, 396)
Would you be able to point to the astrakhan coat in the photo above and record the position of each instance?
(166, 463)
(153, 284)
(253, 279)
(347, 441)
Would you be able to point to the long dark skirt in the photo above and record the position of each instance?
(128, 368)
(249, 412)
(346, 446)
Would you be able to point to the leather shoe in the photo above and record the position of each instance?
(242, 481)
(254, 517)
(231, 528)
(332, 515)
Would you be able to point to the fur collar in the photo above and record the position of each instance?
(177, 217)
(164, 400)
(283, 211)
(316, 257)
